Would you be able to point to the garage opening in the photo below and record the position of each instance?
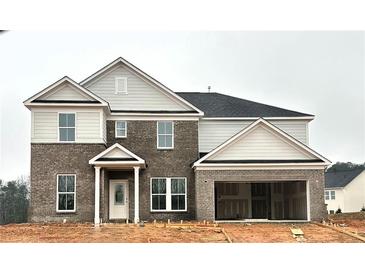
(284, 200)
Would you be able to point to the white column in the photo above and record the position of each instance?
(136, 194)
(97, 196)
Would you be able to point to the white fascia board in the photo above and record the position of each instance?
(320, 166)
(308, 118)
(271, 126)
(152, 118)
(67, 79)
(143, 74)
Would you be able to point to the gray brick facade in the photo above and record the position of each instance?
(204, 181)
(48, 160)
(142, 140)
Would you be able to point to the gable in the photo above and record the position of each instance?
(141, 95)
(261, 144)
(66, 92)
(117, 153)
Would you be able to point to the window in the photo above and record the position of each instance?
(165, 135)
(66, 193)
(158, 194)
(66, 124)
(326, 195)
(168, 194)
(178, 194)
(121, 129)
(333, 195)
(121, 85)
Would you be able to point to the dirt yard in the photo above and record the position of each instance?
(353, 222)
(122, 233)
(280, 233)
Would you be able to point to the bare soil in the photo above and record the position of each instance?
(110, 233)
(122, 233)
(280, 233)
(352, 222)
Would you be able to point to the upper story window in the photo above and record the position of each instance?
(121, 85)
(326, 195)
(120, 129)
(66, 125)
(165, 135)
(333, 195)
(66, 191)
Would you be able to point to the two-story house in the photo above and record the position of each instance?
(345, 190)
(120, 145)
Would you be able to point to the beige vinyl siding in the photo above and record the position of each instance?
(260, 144)
(88, 127)
(141, 95)
(212, 133)
(104, 125)
(44, 127)
(65, 92)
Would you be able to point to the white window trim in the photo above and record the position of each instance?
(125, 85)
(172, 134)
(325, 195)
(168, 195)
(116, 131)
(57, 197)
(58, 127)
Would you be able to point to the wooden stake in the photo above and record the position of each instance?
(154, 222)
(168, 221)
(181, 221)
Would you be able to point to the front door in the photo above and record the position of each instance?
(118, 199)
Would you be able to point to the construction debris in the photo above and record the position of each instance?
(298, 234)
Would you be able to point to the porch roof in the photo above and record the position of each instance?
(117, 156)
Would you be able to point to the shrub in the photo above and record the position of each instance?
(338, 211)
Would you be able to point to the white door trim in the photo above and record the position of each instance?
(111, 198)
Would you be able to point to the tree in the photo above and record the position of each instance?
(342, 166)
(14, 201)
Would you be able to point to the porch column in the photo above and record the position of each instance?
(97, 196)
(136, 194)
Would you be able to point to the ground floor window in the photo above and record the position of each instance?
(168, 194)
(66, 193)
(330, 195)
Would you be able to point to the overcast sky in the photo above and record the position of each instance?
(320, 73)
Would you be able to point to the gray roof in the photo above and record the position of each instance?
(220, 105)
(340, 178)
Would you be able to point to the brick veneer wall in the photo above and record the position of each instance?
(48, 160)
(204, 181)
(142, 140)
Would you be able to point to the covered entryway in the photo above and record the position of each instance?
(261, 200)
(117, 158)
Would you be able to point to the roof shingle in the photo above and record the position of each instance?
(221, 105)
(340, 178)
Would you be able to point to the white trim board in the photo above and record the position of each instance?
(305, 118)
(139, 160)
(249, 128)
(60, 82)
(144, 75)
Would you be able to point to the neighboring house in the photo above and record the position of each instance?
(121, 145)
(345, 190)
